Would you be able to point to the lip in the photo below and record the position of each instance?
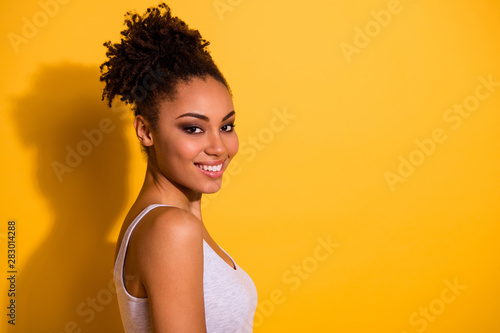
(211, 174)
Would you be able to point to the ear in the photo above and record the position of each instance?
(143, 131)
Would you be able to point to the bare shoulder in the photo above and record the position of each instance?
(169, 258)
(170, 218)
(167, 227)
(168, 240)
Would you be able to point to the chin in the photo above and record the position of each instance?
(212, 188)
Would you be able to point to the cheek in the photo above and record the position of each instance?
(178, 149)
(233, 145)
(187, 150)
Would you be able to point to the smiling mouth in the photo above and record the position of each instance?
(211, 168)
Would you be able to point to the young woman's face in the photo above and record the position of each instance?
(195, 139)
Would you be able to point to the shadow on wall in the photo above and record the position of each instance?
(81, 167)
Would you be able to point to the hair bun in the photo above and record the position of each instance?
(155, 41)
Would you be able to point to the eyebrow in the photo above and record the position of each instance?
(203, 117)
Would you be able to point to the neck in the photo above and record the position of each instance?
(158, 189)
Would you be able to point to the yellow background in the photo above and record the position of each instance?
(318, 176)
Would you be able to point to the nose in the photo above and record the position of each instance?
(215, 145)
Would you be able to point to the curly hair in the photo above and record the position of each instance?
(156, 52)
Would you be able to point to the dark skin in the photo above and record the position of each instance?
(188, 152)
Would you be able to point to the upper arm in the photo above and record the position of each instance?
(170, 254)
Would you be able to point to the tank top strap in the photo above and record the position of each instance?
(120, 258)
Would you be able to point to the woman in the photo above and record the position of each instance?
(170, 275)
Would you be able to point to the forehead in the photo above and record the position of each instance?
(206, 96)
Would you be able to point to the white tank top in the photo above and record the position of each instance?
(230, 294)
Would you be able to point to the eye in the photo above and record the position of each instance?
(193, 130)
(228, 128)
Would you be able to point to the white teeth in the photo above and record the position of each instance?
(212, 168)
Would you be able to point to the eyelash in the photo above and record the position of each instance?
(192, 129)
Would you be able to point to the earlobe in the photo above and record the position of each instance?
(143, 131)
